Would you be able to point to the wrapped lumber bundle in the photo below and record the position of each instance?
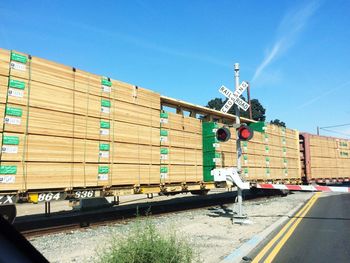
(217, 154)
(271, 155)
(327, 158)
(62, 127)
(181, 149)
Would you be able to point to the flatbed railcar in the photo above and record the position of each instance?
(67, 134)
(324, 159)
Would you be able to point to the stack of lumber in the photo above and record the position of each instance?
(62, 127)
(271, 155)
(217, 154)
(181, 148)
(329, 157)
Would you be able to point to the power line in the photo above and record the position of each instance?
(341, 133)
(334, 126)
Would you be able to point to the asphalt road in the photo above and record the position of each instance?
(323, 234)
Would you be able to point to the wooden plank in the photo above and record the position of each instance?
(183, 173)
(184, 156)
(12, 146)
(60, 149)
(3, 88)
(175, 122)
(275, 174)
(4, 55)
(192, 125)
(15, 118)
(61, 76)
(184, 139)
(135, 174)
(67, 175)
(43, 121)
(181, 123)
(16, 177)
(147, 98)
(4, 62)
(11, 94)
(136, 153)
(138, 134)
(132, 113)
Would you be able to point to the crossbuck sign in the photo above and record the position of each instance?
(234, 97)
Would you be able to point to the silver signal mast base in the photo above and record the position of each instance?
(231, 176)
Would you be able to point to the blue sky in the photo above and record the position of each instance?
(296, 54)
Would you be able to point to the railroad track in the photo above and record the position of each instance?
(37, 225)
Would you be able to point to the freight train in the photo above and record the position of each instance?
(67, 134)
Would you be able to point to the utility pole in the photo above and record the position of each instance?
(250, 108)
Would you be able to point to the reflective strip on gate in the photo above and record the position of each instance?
(310, 188)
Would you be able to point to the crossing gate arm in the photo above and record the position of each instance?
(307, 188)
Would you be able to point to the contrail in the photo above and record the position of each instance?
(313, 100)
(150, 45)
(287, 33)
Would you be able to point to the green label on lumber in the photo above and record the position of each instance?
(267, 148)
(267, 159)
(103, 169)
(164, 151)
(258, 126)
(163, 133)
(163, 169)
(285, 160)
(164, 115)
(105, 103)
(344, 154)
(245, 157)
(105, 124)
(245, 171)
(267, 170)
(10, 140)
(19, 58)
(106, 82)
(6, 169)
(286, 171)
(266, 135)
(284, 149)
(16, 84)
(343, 144)
(245, 144)
(14, 111)
(104, 147)
(217, 155)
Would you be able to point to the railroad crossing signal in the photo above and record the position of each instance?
(234, 97)
(223, 134)
(244, 133)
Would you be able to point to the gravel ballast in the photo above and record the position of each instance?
(210, 230)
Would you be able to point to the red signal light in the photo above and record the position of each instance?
(245, 133)
(223, 134)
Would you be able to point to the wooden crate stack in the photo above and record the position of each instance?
(62, 127)
(329, 157)
(181, 149)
